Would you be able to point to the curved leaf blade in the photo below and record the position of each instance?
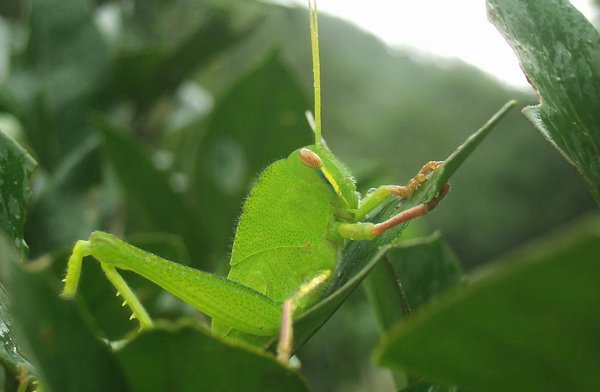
(427, 267)
(559, 51)
(12, 361)
(54, 335)
(191, 359)
(412, 273)
(531, 322)
(16, 166)
(268, 105)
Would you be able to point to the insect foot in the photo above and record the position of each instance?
(407, 190)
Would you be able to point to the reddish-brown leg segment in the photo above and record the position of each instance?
(411, 213)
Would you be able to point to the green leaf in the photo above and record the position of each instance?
(63, 200)
(151, 197)
(55, 336)
(16, 166)
(62, 30)
(265, 106)
(559, 51)
(426, 267)
(425, 387)
(386, 294)
(528, 324)
(389, 302)
(12, 8)
(191, 359)
(57, 77)
(359, 257)
(413, 273)
(11, 359)
(205, 33)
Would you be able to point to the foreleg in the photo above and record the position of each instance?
(382, 194)
(368, 231)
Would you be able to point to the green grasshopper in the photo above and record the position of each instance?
(298, 217)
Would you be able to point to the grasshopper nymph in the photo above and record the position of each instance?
(300, 214)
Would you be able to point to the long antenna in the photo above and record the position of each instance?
(314, 43)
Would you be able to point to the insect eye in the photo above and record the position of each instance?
(310, 158)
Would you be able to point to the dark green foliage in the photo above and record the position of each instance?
(15, 168)
(147, 189)
(527, 318)
(428, 267)
(14, 367)
(157, 129)
(228, 157)
(51, 92)
(559, 51)
(56, 335)
(146, 71)
(68, 356)
(190, 359)
(525, 323)
(412, 273)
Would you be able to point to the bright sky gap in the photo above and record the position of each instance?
(446, 29)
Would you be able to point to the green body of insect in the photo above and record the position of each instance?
(287, 235)
(297, 218)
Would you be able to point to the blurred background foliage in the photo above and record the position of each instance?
(151, 119)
